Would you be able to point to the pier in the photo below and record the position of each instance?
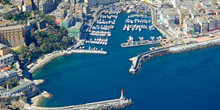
(142, 42)
(137, 61)
(122, 102)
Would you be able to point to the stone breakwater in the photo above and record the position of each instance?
(102, 105)
(49, 57)
(193, 46)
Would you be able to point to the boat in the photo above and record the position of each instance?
(129, 11)
(139, 29)
(124, 28)
(151, 28)
(132, 29)
(128, 28)
(130, 39)
(141, 38)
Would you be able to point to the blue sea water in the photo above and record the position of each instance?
(184, 81)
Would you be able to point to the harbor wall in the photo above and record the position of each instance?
(194, 46)
(102, 105)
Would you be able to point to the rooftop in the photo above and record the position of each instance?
(77, 25)
(11, 27)
(23, 83)
(6, 56)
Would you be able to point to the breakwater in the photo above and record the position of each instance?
(49, 57)
(102, 105)
(193, 46)
(137, 61)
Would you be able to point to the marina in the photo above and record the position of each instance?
(138, 22)
(101, 30)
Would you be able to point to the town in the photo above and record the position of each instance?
(34, 32)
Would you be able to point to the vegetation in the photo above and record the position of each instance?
(17, 17)
(11, 83)
(54, 38)
(50, 19)
(5, 2)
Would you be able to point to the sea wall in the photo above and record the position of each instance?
(102, 105)
(194, 46)
(57, 54)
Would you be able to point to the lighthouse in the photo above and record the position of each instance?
(122, 95)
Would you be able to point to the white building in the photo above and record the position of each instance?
(5, 76)
(6, 60)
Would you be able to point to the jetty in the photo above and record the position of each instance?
(122, 102)
(137, 60)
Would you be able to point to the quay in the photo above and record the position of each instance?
(122, 102)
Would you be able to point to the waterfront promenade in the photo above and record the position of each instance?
(49, 57)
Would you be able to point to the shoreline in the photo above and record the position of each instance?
(33, 67)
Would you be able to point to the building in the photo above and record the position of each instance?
(6, 60)
(48, 6)
(4, 50)
(213, 23)
(24, 85)
(204, 27)
(5, 9)
(12, 36)
(7, 75)
(85, 9)
(191, 27)
(99, 2)
(76, 30)
(68, 21)
(59, 15)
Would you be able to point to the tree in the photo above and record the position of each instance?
(32, 47)
(50, 19)
(65, 39)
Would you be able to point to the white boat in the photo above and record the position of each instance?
(130, 39)
(128, 28)
(139, 29)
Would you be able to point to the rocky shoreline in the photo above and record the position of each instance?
(194, 46)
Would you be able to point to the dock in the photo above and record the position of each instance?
(140, 43)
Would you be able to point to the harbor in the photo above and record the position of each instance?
(177, 81)
(158, 86)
